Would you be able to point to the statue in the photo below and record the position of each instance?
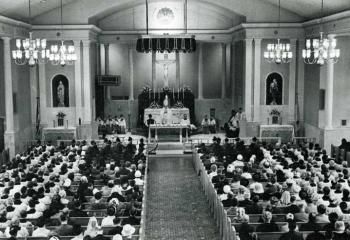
(166, 102)
(60, 95)
(274, 91)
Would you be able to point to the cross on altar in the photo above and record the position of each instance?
(165, 64)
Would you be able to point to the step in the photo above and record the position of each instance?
(170, 146)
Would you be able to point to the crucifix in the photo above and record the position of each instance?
(165, 64)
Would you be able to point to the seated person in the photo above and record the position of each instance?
(212, 125)
(205, 124)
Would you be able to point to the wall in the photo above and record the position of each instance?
(311, 95)
(22, 105)
(2, 81)
(212, 64)
(267, 68)
(341, 106)
(239, 74)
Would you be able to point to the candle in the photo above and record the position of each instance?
(183, 94)
(149, 93)
(154, 94)
(178, 94)
(173, 93)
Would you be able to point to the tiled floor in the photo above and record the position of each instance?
(176, 206)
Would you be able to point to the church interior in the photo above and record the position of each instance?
(182, 109)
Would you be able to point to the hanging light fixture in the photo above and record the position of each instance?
(30, 51)
(319, 51)
(278, 52)
(62, 54)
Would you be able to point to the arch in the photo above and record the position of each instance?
(274, 89)
(60, 91)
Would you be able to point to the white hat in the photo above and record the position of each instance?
(212, 159)
(290, 216)
(227, 189)
(138, 174)
(239, 157)
(67, 183)
(230, 168)
(117, 237)
(95, 191)
(128, 230)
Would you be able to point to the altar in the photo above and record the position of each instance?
(285, 132)
(59, 133)
(174, 115)
(157, 127)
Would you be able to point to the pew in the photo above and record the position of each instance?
(277, 235)
(279, 224)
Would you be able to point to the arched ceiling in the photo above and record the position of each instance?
(92, 11)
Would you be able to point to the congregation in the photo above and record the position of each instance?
(291, 189)
(80, 191)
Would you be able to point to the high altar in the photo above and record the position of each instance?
(173, 114)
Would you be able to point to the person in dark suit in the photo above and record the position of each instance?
(292, 234)
(77, 212)
(100, 236)
(118, 227)
(150, 120)
(65, 229)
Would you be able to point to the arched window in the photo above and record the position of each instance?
(60, 91)
(274, 89)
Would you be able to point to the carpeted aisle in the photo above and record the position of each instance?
(176, 206)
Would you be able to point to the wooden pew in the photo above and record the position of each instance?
(254, 218)
(105, 229)
(279, 224)
(277, 235)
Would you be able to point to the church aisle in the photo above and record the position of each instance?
(176, 206)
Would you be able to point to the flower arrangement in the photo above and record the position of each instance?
(61, 115)
(275, 112)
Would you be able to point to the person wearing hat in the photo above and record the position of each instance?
(138, 180)
(239, 162)
(128, 231)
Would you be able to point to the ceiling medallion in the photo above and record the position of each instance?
(165, 15)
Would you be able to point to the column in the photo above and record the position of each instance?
(78, 83)
(10, 131)
(106, 88)
(200, 71)
(329, 91)
(177, 57)
(153, 70)
(98, 58)
(248, 72)
(131, 73)
(106, 58)
(87, 82)
(233, 83)
(292, 74)
(223, 71)
(301, 69)
(257, 80)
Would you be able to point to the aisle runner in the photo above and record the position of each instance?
(176, 206)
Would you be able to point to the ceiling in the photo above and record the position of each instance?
(305, 9)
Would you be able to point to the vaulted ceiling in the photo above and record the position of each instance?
(91, 11)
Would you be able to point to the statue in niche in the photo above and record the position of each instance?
(274, 89)
(60, 91)
(60, 94)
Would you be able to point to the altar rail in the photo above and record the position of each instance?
(220, 215)
(142, 231)
(247, 140)
(99, 142)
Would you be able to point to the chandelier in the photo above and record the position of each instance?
(30, 51)
(278, 52)
(319, 51)
(62, 54)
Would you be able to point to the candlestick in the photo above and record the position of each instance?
(129, 106)
(183, 94)
(178, 94)
(149, 93)
(173, 93)
(154, 94)
(159, 94)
